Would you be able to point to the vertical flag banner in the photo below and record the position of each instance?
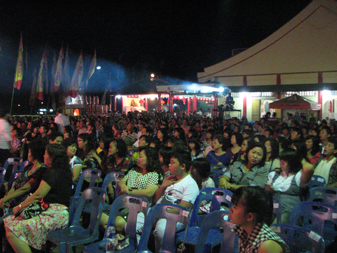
(32, 93)
(58, 73)
(53, 67)
(19, 67)
(91, 69)
(39, 88)
(77, 77)
(66, 81)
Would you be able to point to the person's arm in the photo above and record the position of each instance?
(148, 192)
(39, 194)
(270, 246)
(307, 172)
(161, 190)
(224, 182)
(76, 172)
(122, 186)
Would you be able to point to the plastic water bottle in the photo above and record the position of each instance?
(111, 240)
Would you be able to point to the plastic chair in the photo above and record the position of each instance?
(217, 197)
(135, 204)
(75, 234)
(316, 181)
(15, 162)
(91, 174)
(325, 195)
(299, 239)
(157, 212)
(216, 172)
(317, 217)
(216, 219)
(23, 165)
(277, 210)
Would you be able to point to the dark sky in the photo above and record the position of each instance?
(174, 39)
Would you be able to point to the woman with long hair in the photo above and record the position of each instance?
(74, 161)
(55, 190)
(162, 135)
(144, 180)
(307, 167)
(272, 149)
(86, 150)
(235, 147)
(218, 155)
(194, 147)
(251, 172)
(286, 183)
(313, 148)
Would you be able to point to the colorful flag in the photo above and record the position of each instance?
(66, 75)
(104, 97)
(19, 67)
(91, 69)
(32, 93)
(53, 67)
(77, 77)
(39, 87)
(58, 73)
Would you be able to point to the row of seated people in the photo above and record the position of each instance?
(251, 173)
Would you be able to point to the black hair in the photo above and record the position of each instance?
(183, 156)
(157, 144)
(166, 153)
(37, 149)
(164, 133)
(301, 149)
(181, 132)
(260, 137)
(153, 164)
(252, 145)
(238, 137)
(275, 148)
(146, 137)
(255, 200)
(328, 130)
(60, 160)
(54, 135)
(202, 166)
(122, 149)
(291, 156)
(222, 140)
(315, 144)
(196, 143)
(68, 142)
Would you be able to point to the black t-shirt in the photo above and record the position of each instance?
(60, 191)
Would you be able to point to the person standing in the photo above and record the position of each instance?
(61, 120)
(5, 137)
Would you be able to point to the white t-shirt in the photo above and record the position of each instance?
(61, 121)
(5, 134)
(185, 190)
(208, 183)
(282, 184)
(323, 168)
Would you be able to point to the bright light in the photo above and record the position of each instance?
(221, 89)
(19, 105)
(98, 67)
(243, 94)
(50, 110)
(152, 75)
(118, 96)
(326, 93)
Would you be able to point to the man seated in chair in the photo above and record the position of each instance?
(179, 188)
(326, 165)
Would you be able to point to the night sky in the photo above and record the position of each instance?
(174, 39)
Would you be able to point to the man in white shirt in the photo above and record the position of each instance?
(326, 166)
(5, 137)
(61, 120)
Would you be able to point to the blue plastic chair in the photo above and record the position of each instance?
(75, 234)
(277, 210)
(316, 181)
(135, 204)
(216, 172)
(23, 165)
(325, 195)
(316, 217)
(217, 197)
(216, 219)
(299, 239)
(15, 162)
(94, 175)
(160, 211)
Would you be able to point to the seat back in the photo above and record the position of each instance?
(325, 195)
(165, 211)
(317, 217)
(277, 210)
(216, 172)
(217, 197)
(135, 204)
(216, 219)
(299, 239)
(316, 181)
(113, 177)
(23, 165)
(97, 196)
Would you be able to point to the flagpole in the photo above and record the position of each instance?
(12, 102)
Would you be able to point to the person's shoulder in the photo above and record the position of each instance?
(270, 246)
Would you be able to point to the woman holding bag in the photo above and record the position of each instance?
(54, 191)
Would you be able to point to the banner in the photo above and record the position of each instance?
(91, 69)
(32, 93)
(77, 77)
(65, 74)
(58, 73)
(39, 87)
(19, 67)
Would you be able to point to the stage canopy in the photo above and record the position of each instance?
(295, 102)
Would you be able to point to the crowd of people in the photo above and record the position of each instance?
(167, 160)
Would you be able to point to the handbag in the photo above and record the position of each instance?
(33, 210)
